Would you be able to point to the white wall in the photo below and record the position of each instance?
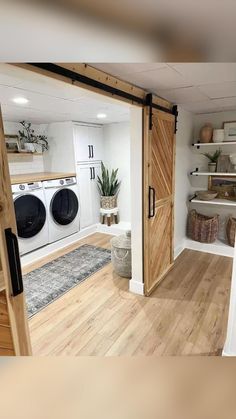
(183, 166)
(23, 164)
(117, 155)
(61, 154)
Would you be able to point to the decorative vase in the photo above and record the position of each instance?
(30, 147)
(212, 167)
(206, 133)
(218, 135)
(108, 202)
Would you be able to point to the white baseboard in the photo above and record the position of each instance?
(217, 248)
(114, 229)
(225, 353)
(39, 254)
(136, 287)
(179, 249)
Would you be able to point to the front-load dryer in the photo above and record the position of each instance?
(62, 206)
(31, 217)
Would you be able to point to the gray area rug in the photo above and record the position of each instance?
(44, 285)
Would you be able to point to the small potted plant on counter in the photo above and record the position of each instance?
(213, 158)
(31, 142)
(108, 186)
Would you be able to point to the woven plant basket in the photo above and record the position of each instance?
(202, 228)
(230, 231)
(108, 202)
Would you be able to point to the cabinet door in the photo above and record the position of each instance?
(95, 193)
(85, 192)
(96, 141)
(83, 151)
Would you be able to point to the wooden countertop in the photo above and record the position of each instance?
(36, 177)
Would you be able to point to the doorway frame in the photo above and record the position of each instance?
(89, 78)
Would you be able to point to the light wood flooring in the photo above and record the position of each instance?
(185, 315)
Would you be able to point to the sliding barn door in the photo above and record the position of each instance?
(159, 158)
(14, 333)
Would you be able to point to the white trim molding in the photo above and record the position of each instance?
(137, 287)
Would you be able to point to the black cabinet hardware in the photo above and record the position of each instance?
(91, 173)
(92, 152)
(151, 202)
(14, 262)
(89, 146)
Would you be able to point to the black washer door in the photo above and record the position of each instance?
(30, 215)
(64, 206)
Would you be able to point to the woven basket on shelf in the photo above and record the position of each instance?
(202, 228)
(230, 230)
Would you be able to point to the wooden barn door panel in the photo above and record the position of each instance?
(159, 157)
(14, 332)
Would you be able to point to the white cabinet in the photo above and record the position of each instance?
(88, 141)
(88, 194)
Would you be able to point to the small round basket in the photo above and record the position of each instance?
(121, 254)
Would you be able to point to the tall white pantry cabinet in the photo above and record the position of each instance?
(88, 143)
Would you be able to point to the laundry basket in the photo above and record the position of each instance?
(230, 231)
(202, 228)
(121, 254)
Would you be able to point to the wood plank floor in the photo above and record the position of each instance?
(185, 315)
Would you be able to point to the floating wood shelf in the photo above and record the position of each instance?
(215, 201)
(24, 154)
(196, 173)
(198, 145)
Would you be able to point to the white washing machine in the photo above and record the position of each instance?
(62, 207)
(31, 216)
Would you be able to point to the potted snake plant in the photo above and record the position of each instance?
(108, 186)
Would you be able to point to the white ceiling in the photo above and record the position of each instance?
(51, 100)
(197, 87)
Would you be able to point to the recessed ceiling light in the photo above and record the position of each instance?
(101, 115)
(20, 100)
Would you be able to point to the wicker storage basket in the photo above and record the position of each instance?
(230, 230)
(202, 228)
(108, 202)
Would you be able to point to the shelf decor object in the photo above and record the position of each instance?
(225, 187)
(218, 135)
(206, 195)
(230, 130)
(12, 143)
(206, 133)
(202, 228)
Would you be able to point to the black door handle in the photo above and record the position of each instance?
(151, 202)
(91, 173)
(92, 151)
(89, 147)
(14, 262)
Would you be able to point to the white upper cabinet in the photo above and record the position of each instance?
(88, 143)
(96, 142)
